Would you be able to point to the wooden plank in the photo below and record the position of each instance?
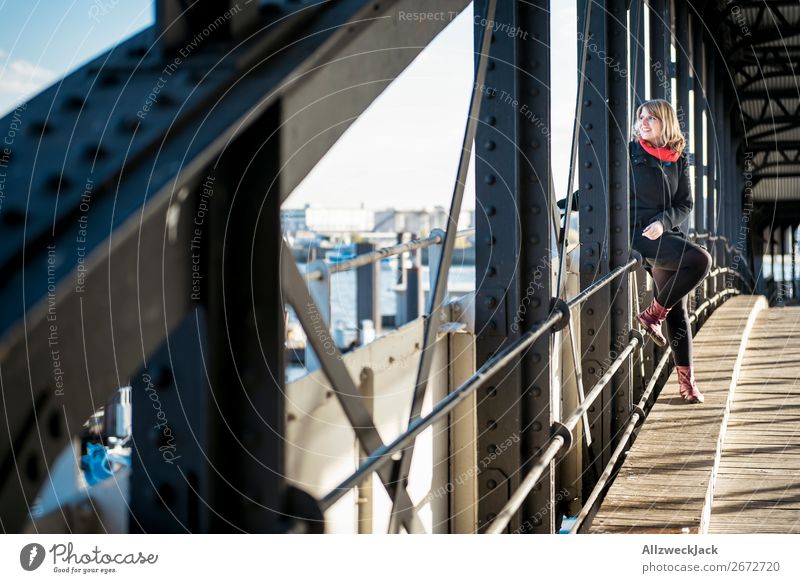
(757, 489)
(664, 484)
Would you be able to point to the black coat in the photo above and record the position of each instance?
(658, 190)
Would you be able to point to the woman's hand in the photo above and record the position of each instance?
(654, 230)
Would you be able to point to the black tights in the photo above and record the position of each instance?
(678, 329)
(677, 267)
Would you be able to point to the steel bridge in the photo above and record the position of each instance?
(142, 247)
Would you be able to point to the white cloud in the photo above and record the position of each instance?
(20, 79)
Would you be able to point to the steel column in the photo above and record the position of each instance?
(698, 139)
(660, 61)
(513, 260)
(637, 58)
(368, 293)
(603, 178)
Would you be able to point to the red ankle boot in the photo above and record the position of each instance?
(651, 319)
(688, 388)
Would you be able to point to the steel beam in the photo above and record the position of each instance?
(514, 240)
(604, 221)
(116, 176)
(660, 60)
(698, 138)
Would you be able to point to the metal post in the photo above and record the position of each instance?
(711, 141)
(722, 166)
(793, 237)
(773, 245)
(513, 259)
(368, 289)
(638, 58)
(434, 260)
(321, 293)
(660, 61)
(366, 387)
(605, 319)
(636, 36)
(784, 285)
(698, 141)
(682, 78)
(402, 282)
(247, 338)
(414, 291)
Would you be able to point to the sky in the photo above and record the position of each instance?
(402, 152)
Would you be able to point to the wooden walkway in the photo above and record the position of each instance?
(758, 485)
(666, 483)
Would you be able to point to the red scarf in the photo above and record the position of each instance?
(664, 153)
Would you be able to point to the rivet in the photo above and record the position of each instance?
(57, 182)
(490, 302)
(490, 240)
(489, 179)
(40, 128)
(490, 145)
(74, 103)
(491, 210)
(537, 426)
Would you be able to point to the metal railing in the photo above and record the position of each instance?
(561, 432)
(636, 419)
(559, 316)
(379, 254)
(400, 449)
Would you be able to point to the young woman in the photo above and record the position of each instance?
(660, 201)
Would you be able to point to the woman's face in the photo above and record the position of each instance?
(650, 127)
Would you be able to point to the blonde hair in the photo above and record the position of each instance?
(664, 112)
